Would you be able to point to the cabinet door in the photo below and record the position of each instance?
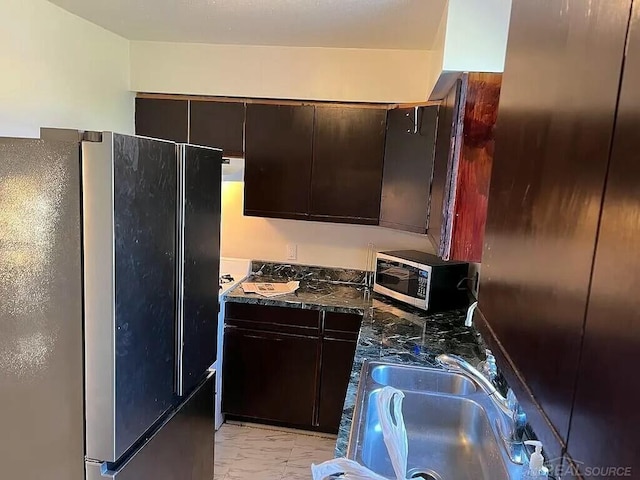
(218, 125)
(348, 154)
(408, 167)
(443, 154)
(338, 350)
(164, 119)
(337, 362)
(606, 415)
(270, 376)
(278, 160)
(554, 131)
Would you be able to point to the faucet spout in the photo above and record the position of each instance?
(459, 364)
(513, 419)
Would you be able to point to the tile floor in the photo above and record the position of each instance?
(250, 452)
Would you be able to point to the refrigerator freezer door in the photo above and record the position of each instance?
(41, 432)
(129, 197)
(201, 170)
(181, 450)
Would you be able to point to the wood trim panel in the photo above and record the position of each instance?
(473, 169)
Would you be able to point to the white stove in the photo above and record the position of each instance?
(227, 282)
(232, 272)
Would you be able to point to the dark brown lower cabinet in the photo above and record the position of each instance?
(270, 376)
(287, 365)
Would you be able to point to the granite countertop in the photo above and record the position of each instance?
(390, 331)
(396, 333)
(312, 294)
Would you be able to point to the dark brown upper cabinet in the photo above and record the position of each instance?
(605, 415)
(218, 125)
(408, 167)
(553, 138)
(462, 169)
(162, 118)
(348, 156)
(278, 158)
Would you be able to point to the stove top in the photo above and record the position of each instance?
(226, 278)
(232, 271)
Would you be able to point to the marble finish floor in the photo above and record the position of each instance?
(251, 452)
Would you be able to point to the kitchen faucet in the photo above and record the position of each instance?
(514, 419)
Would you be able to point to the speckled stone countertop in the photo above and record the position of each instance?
(390, 331)
(336, 290)
(401, 334)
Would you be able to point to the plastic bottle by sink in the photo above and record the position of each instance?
(535, 469)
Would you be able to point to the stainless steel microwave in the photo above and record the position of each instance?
(421, 280)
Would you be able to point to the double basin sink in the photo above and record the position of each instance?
(451, 423)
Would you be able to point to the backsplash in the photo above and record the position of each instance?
(307, 272)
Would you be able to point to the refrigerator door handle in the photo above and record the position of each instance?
(179, 387)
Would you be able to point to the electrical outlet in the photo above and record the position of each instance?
(292, 251)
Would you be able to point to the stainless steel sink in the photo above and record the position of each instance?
(451, 426)
(408, 378)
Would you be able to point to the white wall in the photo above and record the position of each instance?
(290, 73)
(341, 74)
(472, 37)
(59, 70)
(476, 38)
(318, 243)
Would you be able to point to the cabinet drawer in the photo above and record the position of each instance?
(273, 319)
(342, 322)
(342, 326)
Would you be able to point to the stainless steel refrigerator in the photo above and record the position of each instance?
(109, 259)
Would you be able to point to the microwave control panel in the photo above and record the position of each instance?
(423, 280)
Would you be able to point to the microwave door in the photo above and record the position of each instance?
(396, 278)
(401, 282)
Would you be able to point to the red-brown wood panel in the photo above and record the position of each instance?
(481, 97)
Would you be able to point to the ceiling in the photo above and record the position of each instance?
(394, 24)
